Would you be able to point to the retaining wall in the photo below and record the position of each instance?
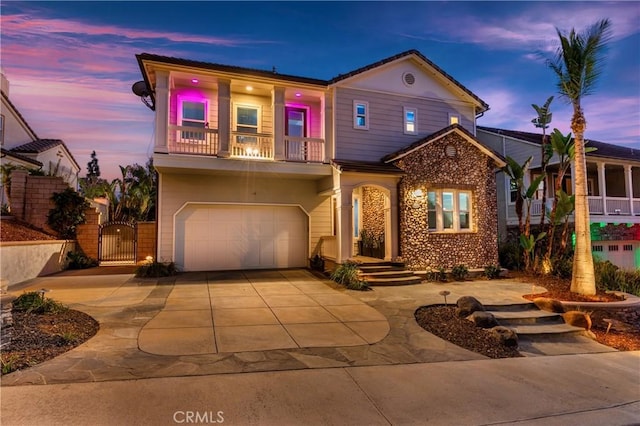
(24, 260)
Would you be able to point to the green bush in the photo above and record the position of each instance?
(78, 260)
(459, 272)
(35, 302)
(68, 212)
(510, 256)
(611, 278)
(562, 267)
(348, 275)
(439, 274)
(156, 270)
(492, 271)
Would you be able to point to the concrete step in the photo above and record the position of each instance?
(512, 318)
(546, 330)
(394, 281)
(565, 345)
(397, 273)
(512, 307)
(380, 268)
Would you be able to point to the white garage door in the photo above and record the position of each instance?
(224, 237)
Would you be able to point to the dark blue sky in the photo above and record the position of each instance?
(71, 64)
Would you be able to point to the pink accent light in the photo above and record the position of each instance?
(195, 81)
(298, 95)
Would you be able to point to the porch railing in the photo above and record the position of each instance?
(616, 206)
(193, 140)
(610, 206)
(304, 149)
(251, 145)
(596, 205)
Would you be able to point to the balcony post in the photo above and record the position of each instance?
(278, 123)
(328, 127)
(628, 186)
(162, 112)
(224, 116)
(602, 188)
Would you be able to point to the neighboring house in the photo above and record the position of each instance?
(613, 183)
(21, 145)
(264, 170)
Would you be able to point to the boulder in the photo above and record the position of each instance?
(549, 305)
(483, 319)
(578, 319)
(507, 336)
(467, 305)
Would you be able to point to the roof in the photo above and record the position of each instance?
(21, 157)
(366, 167)
(225, 68)
(42, 145)
(606, 150)
(454, 128)
(6, 98)
(419, 55)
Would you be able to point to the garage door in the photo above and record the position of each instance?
(223, 237)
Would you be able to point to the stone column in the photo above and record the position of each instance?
(224, 117)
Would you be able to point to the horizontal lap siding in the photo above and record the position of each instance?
(385, 134)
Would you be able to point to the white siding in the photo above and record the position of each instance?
(15, 133)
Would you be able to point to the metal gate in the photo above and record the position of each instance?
(117, 243)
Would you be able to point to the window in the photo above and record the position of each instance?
(247, 121)
(410, 121)
(454, 119)
(627, 247)
(513, 191)
(596, 248)
(361, 115)
(356, 216)
(193, 113)
(613, 248)
(449, 210)
(1, 129)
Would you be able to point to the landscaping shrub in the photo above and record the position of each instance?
(78, 260)
(562, 267)
(611, 278)
(156, 270)
(68, 212)
(439, 274)
(348, 275)
(459, 272)
(510, 255)
(35, 302)
(492, 271)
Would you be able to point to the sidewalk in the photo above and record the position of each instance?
(594, 389)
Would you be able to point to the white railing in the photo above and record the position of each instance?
(251, 145)
(596, 205)
(304, 149)
(536, 206)
(617, 206)
(636, 207)
(193, 140)
(329, 247)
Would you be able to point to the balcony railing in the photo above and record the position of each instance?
(610, 206)
(193, 140)
(251, 145)
(304, 149)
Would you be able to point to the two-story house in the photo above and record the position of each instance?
(613, 184)
(259, 169)
(22, 147)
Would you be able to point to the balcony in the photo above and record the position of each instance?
(599, 206)
(255, 146)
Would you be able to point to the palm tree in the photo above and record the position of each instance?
(577, 64)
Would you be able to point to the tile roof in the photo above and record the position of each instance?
(42, 145)
(366, 167)
(20, 157)
(224, 68)
(6, 98)
(454, 127)
(411, 52)
(605, 150)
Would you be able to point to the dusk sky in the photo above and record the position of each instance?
(71, 64)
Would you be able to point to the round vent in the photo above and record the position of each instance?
(408, 78)
(451, 151)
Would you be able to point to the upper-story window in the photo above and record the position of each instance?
(361, 115)
(454, 118)
(193, 113)
(410, 121)
(449, 210)
(513, 191)
(247, 121)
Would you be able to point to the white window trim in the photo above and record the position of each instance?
(451, 115)
(508, 197)
(405, 122)
(181, 100)
(456, 211)
(355, 115)
(242, 105)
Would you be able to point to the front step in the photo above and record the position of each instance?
(547, 330)
(387, 274)
(514, 318)
(409, 280)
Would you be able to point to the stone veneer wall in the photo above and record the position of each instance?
(373, 210)
(430, 167)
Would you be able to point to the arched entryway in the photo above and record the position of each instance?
(371, 222)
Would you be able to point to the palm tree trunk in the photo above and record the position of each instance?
(583, 280)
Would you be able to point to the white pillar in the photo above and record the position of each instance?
(224, 117)
(628, 186)
(278, 123)
(328, 127)
(345, 223)
(162, 112)
(602, 188)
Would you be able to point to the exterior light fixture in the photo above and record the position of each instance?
(418, 193)
(195, 81)
(249, 88)
(298, 95)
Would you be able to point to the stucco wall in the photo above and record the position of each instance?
(23, 261)
(470, 169)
